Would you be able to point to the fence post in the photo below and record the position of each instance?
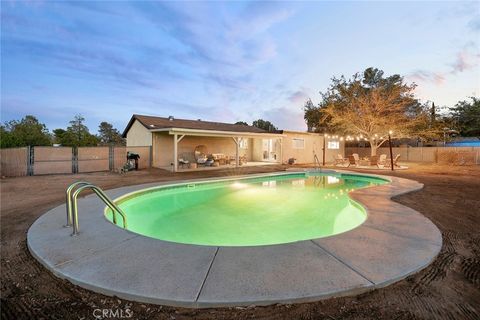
(110, 157)
(74, 160)
(29, 161)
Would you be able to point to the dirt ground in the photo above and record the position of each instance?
(447, 289)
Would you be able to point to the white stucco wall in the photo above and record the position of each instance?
(313, 144)
(138, 135)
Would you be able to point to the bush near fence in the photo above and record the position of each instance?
(446, 155)
(17, 162)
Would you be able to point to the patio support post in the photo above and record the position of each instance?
(176, 140)
(237, 159)
(280, 140)
(175, 155)
(323, 151)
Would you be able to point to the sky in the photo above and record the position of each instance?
(224, 61)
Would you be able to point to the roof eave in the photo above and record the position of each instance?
(205, 132)
(130, 123)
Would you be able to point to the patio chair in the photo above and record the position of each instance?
(201, 154)
(374, 160)
(382, 161)
(182, 162)
(353, 161)
(395, 161)
(242, 160)
(339, 160)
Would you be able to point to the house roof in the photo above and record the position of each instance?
(153, 123)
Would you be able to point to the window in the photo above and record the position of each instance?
(243, 144)
(298, 143)
(333, 145)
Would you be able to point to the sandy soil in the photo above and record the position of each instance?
(447, 289)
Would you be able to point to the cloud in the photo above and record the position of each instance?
(298, 97)
(288, 118)
(427, 76)
(222, 44)
(465, 60)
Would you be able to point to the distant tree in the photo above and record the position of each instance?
(62, 137)
(265, 125)
(108, 135)
(466, 115)
(26, 132)
(316, 118)
(433, 114)
(76, 135)
(243, 123)
(7, 139)
(369, 105)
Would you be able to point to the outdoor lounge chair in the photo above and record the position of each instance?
(356, 157)
(353, 161)
(374, 160)
(382, 161)
(395, 160)
(340, 160)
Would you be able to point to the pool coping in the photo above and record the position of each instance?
(394, 242)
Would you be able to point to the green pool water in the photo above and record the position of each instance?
(247, 212)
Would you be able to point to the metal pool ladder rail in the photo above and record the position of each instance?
(317, 162)
(72, 207)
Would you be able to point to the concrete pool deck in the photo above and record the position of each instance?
(394, 242)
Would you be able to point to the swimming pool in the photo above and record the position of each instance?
(393, 242)
(266, 210)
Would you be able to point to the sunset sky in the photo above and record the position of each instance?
(223, 61)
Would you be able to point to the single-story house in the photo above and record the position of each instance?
(176, 141)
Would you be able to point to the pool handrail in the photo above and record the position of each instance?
(68, 200)
(72, 207)
(317, 162)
